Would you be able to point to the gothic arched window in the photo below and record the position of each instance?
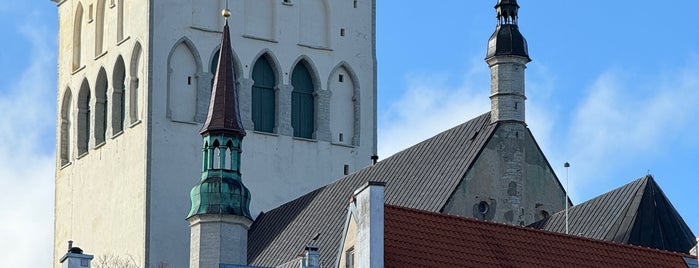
(77, 37)
(263, 95)
(99, 28)
(118, 96)
(66, 118)
(302, 102)
(83, 118)
(101, 104)
(136, 72)
(183, 84)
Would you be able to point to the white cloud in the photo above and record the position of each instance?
(430, 106)
(621, 119)
(624, 117)
(26, 166)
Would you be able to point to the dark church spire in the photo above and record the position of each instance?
(221, 190)
(224, 114)
(507, 40)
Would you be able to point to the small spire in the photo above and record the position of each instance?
(224, 114)
(507, 11)
(507, 40)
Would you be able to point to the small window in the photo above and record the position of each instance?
(355, 3)
(483, 207)
(349, 258)
(342, 31)
(346, 169)
(189, 80)
(341, 78)
(286, 2)
(341, 137)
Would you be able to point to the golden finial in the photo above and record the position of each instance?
(226, 13)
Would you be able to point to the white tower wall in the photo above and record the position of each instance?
(129, 195)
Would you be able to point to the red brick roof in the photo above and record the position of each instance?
(416, 238)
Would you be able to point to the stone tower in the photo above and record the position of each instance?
(511, 180)
(219, 218)
(134, 84)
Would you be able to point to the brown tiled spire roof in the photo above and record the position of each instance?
(224, 114)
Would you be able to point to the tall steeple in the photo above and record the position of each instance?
(507, 57)
(220, 214)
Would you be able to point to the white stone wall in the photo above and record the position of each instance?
(100, 195)
(130, 195)
(216, 239)
(507, 88)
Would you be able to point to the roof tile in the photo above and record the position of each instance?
(415, 238)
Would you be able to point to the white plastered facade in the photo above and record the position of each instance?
(128, 196)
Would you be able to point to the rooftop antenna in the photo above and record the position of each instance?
(566, 166)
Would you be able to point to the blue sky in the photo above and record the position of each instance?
(612, 89)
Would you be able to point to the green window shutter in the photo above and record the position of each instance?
(263, 96)
(302, 102)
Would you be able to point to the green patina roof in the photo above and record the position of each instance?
(221, 192)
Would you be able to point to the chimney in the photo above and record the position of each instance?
(369, 212)
(311, 257)
(75, 258)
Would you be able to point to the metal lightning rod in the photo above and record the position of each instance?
(566, 166)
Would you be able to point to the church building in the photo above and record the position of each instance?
(172, 159)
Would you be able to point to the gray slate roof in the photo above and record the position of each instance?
(422, 177)
(637, 213)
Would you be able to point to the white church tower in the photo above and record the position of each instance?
(134, 83)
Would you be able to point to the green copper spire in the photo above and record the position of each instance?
(221, 189)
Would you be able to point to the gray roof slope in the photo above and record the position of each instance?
(637, 213)
(421, 177)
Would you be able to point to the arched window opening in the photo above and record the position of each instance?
(302, 102)
(99, 28)
(120, 20)
(342, 106)
(118, 96)
(205, 156)
(230, 153)
(77, 37)
(263, 96)
(101, 104)
(83, 118)
(136, 70)
(66, 117)
(182, 95)
(217, 157)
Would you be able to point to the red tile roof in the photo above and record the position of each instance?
(416, 238)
